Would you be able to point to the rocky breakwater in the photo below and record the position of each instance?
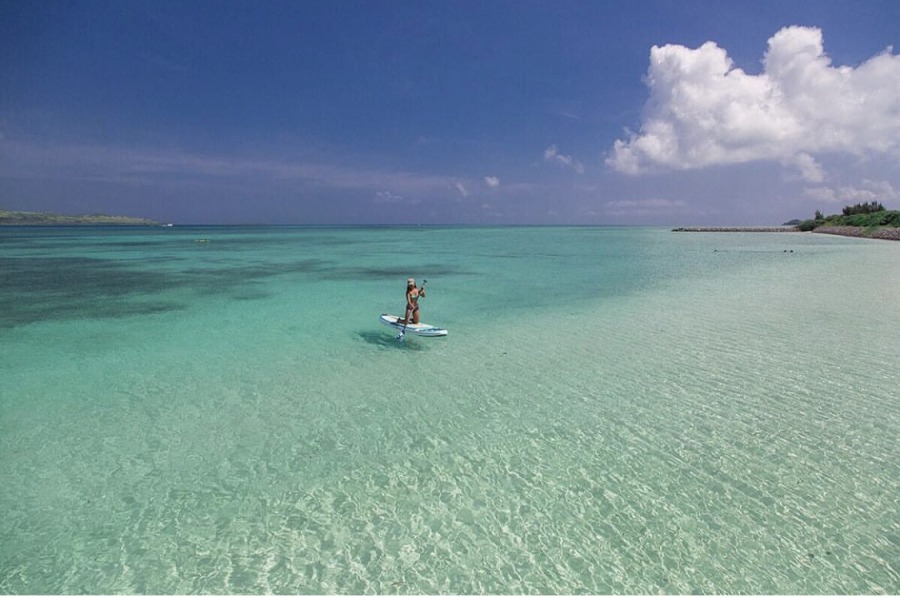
(859, 232)
(735, 229)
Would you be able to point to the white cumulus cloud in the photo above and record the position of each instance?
(704, 111)
(492, 181)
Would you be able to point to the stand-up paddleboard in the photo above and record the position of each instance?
(420, 329)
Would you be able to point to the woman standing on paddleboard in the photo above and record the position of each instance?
(412, 301)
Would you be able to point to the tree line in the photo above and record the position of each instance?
(864, 215)
(863, 208)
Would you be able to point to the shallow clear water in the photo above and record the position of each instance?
(615, 410)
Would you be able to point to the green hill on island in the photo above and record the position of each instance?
(869, 218)
(35, 218)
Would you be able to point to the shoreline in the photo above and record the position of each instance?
(81, 225)
(850, 231)
(40, 218)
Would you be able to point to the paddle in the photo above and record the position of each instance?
(409, 313)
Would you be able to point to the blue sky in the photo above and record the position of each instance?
(463, 112)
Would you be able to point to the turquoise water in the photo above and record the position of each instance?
(615, 410)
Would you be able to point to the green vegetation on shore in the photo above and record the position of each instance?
(868, 216)
(35, 218)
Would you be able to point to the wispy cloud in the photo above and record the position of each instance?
(810, 170)
(634, 207)
(391, 198)
(492, 182)
(551, 154)
(151, 166)
(868, 190)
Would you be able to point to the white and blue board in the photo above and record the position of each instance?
(419, 329)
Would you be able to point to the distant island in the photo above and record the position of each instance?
(36, 218)
(864, 220)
